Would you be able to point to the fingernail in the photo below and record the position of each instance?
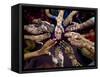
(54, 39)
(55, 42)
(69, 39)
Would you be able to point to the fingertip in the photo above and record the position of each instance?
(65, 34)
(69, 39)
(55, 42)
(54, 39)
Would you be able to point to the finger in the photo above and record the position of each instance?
(73, 22)
(52, 44)
(76, 43)
(62, 44)
(68, 28)
(72, 28)
(49, 42)
(72, 41)
(70, 21)
(62, 29)
(52, 41)
(68, 34)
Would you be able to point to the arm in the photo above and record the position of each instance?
(59, 28)
(77, 26)
(69, 18)
(60, 17)
(44, 50)
(88, 23)
(49, 15)
(70, 53)
(37, 38)
(79, 41)
(31, 54)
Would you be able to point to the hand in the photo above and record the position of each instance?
(88, 48)
(59, 18)
(68, 20)
(73, 27)
(45, 49)
(37, 38)
(58, 32)
(75, 63)
(76, 39)
(70, 53)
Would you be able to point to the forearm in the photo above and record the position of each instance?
(70, 54)
(73, 59)
(88, 50)
(37, 38)
(69, 17)
(60, 17)
(31, 54)
(88, 23)
(87, 53)
(88, 45)
(48, 13)
(73, 13)
(87, 41)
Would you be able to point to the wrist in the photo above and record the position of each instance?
(72, 57)
(40, 52)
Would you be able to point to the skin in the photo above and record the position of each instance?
(37, 38)
(73, 27)
(77, 26)
(68, 20)
(59, 19)
(58, 33)
(74, 38)
(38, 27)
(29, 45)
(79, 41)
(70, 53)
(44, 50)
(48, 13)
(59, 29)
(58, 56)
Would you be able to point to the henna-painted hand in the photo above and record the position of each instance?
(75, 63)
(58, 32)
(68, 20)
(70, 53)
(45, 49)
(76, 39)
(73, 27)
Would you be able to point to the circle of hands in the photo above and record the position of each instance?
(74, 39)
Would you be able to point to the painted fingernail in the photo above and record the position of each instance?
(54, 39)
